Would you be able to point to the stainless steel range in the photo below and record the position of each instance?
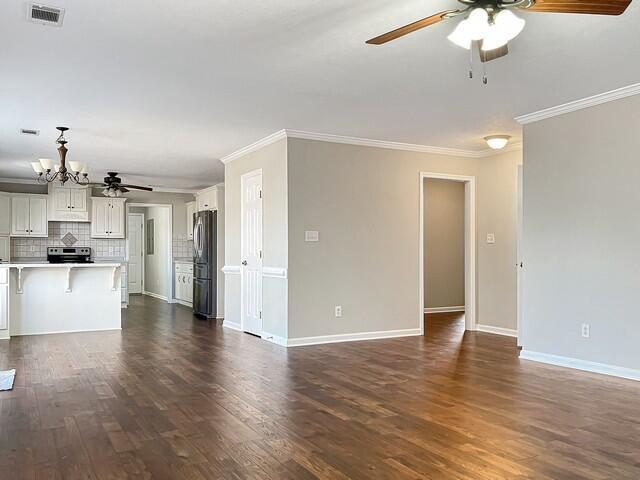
(69, 255)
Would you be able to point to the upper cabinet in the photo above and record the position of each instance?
(69, 203)
(5, 214)
(29, 216)
(208, 199)
(191, 209)
(107, 217)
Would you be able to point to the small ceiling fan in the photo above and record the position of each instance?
(491, 24)
(113, 186)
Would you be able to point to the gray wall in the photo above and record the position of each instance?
(365, 202)
(272, 159)
(581, 234)
(443, 243)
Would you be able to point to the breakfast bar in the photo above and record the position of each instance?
(39, 298)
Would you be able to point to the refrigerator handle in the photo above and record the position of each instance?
(195, 240)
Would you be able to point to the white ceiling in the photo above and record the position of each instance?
(159, 90)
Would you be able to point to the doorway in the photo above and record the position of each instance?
(457, 288)
(251, 253)
(155, 241)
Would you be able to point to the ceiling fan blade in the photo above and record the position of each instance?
(412, 27)
(591, 7)
(123, 189)
(137, 187)
(96, 185)
(492, 54)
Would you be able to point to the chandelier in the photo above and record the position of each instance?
(76, 173)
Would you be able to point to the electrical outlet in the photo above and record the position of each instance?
(33, 248)
(338, 311)
(491, 238)
(586, 330)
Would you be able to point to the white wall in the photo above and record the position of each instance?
(581, 234)
(444, 205)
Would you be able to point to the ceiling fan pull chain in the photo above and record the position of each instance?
(471, 63)
(485, 80)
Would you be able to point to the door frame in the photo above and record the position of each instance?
(169, 206)
(143, 246)
(470, 246)
(243, 178)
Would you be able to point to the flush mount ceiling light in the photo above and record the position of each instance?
(77, 172)
(497, 142)
(491, 24)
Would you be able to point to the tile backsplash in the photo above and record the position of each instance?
(100, 247)
(181, 247)
(37, 247)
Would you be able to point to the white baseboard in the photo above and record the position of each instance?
(352, 337)
(584, 365)
(497, 330)
(231, 325)
(55, 332)
(444, 309)
(155, 295)
(270, 337)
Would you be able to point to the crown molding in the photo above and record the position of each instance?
(366, 142)
(274, 137)
(587, 102)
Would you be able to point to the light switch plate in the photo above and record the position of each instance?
(491, 238)
(311, 236)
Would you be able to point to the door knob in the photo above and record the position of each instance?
(244, 262)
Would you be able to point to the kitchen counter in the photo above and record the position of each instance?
(39, 297)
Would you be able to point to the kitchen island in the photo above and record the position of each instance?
(39, 298)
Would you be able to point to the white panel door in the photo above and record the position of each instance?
(38, 217)
(20, 216)
(136, 270)
(5, 214)
(251, 252)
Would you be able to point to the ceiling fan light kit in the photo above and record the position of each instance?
(491, 24)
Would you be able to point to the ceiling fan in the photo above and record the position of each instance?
(491, 24)
(113, 186)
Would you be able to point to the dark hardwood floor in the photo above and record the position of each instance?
(172, 398)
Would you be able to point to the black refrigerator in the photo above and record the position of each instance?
(205, 268)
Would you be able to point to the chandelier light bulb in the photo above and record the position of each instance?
(37, 167)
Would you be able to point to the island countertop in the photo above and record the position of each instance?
(59, 265)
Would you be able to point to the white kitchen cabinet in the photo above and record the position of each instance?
(208, 199)
(29, 216)
(107, 217)
(69, 204)
(5, 249)
(183, 283)
(191, 208)
(5, 214)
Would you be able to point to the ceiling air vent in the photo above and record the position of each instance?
(46, 15)
(27, 131)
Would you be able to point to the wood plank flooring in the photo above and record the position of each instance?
(173, 398)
